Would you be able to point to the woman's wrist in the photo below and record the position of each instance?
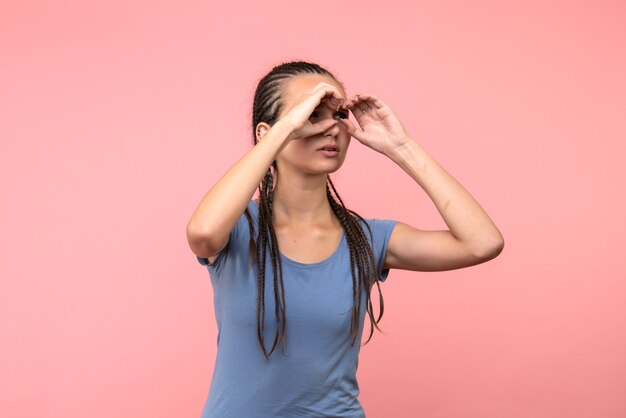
(283, 129)
(278, 137)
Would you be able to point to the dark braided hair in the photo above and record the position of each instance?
(266, 108)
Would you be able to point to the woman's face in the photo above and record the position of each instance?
(304, 154)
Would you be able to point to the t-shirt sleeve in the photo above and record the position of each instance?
(224, 253)
(381, 232)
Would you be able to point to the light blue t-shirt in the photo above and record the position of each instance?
(317, 376)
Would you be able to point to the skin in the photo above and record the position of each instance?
(300, 190)
(306, 228)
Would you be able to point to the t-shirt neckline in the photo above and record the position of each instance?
(322, 263)
(300, 265)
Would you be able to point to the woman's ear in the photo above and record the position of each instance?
(261, 129)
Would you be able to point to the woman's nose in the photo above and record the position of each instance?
(332, 131)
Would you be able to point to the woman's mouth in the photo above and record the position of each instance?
(329, 150)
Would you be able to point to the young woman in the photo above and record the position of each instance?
(321, 258)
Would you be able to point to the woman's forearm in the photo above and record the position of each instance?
(467, 221)
(218, 212)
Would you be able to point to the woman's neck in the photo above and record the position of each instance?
(302, 203)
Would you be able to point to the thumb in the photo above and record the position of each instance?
(311, 129)
(352, 130)
(324, 125)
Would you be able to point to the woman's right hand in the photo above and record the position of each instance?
(297, 117)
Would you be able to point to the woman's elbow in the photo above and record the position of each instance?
(490, 251)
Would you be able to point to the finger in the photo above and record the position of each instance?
(352, 130)
(316, 128)
(356, 104)
(334, 99)
(374, 101)
(332, 96)
(349, 125)
(356, 110)
(364, 100)
(330, 93)
(352, 101)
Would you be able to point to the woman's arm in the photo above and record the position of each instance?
(209, 228)
(472, 238)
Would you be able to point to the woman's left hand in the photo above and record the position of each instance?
(381, 129)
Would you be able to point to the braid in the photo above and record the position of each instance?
(265, 241)
(353, 259)
(358, 244)
(276, 265)
(260, 259)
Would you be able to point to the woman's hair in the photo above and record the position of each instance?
(266, 108)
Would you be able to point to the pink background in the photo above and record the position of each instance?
(116, 118)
